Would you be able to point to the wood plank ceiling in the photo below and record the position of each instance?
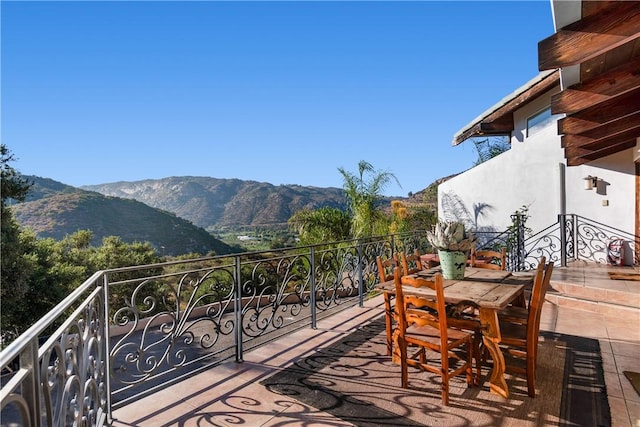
(603, 108)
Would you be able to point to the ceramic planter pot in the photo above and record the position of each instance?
(452, 264)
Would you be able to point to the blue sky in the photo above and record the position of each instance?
(279, 92)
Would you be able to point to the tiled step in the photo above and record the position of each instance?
(600, 307)
(619, 297)
(623, 301)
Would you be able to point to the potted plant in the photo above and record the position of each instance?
(453, 243)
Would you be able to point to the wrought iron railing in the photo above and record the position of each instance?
(587, 239)
(125, 332)
(572, 238)
(60, 377)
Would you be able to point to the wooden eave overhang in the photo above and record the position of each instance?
(602, 105)
(498, 120)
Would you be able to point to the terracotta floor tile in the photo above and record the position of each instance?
(626, 348)
(626, 363)
(613, 383)
(605, 345)
(634, 413)
(619, 413)
(608, 363)
(629, 393)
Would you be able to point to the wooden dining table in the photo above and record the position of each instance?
(490, 291)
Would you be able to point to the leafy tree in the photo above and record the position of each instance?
(421, 218)
(321, 225)
(364, 191)
(51, 276)
(407, 218)
(14, 266)
(115, 253)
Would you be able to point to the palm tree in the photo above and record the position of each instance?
(363, 191)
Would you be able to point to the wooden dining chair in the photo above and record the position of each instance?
(485, 258)
(520, 339)
(520, 313)
(411, 264)
(386, 268)
(428, 330)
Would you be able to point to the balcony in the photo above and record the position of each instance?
(339, 375)
(294, 338)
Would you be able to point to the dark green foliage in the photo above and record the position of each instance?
(321, 225)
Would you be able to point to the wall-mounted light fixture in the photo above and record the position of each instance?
(590, 182)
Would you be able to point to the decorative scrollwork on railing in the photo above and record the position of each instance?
(547, 243)
(336, 276)
(276, 288)
(73, 368)
(165, 317)
(370, 250)
(592, 239)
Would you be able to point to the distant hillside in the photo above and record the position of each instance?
(428, 196)
(53, 209)
(212, 202)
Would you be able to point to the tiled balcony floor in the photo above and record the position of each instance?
(231, 394)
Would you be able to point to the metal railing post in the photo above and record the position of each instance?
(574, 232)
(562, 221)
(31, 387)
(360, 276)
(107, 351)
(312, 286)
(237, 308)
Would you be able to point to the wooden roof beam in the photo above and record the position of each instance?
(591, 36)
(577, 156)
(503, 125)
(598, 143)
(600, 89)
(613, 108)
(597, 130)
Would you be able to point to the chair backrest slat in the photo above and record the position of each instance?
(411, 264)
(386, 267)
(485, 259)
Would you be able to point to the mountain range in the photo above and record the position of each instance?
(175, 214)
(213, 203)
(53, 209)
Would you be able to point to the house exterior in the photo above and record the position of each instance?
(578, 118)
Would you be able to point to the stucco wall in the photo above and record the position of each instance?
(533, 174)
(613, 201)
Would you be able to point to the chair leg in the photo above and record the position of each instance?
(404, 376)
(388, 325)
(444, 360)
(531, 376)
(479, 359)
(471, 354)
(445, 390)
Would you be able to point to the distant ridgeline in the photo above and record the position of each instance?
(174, 213)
